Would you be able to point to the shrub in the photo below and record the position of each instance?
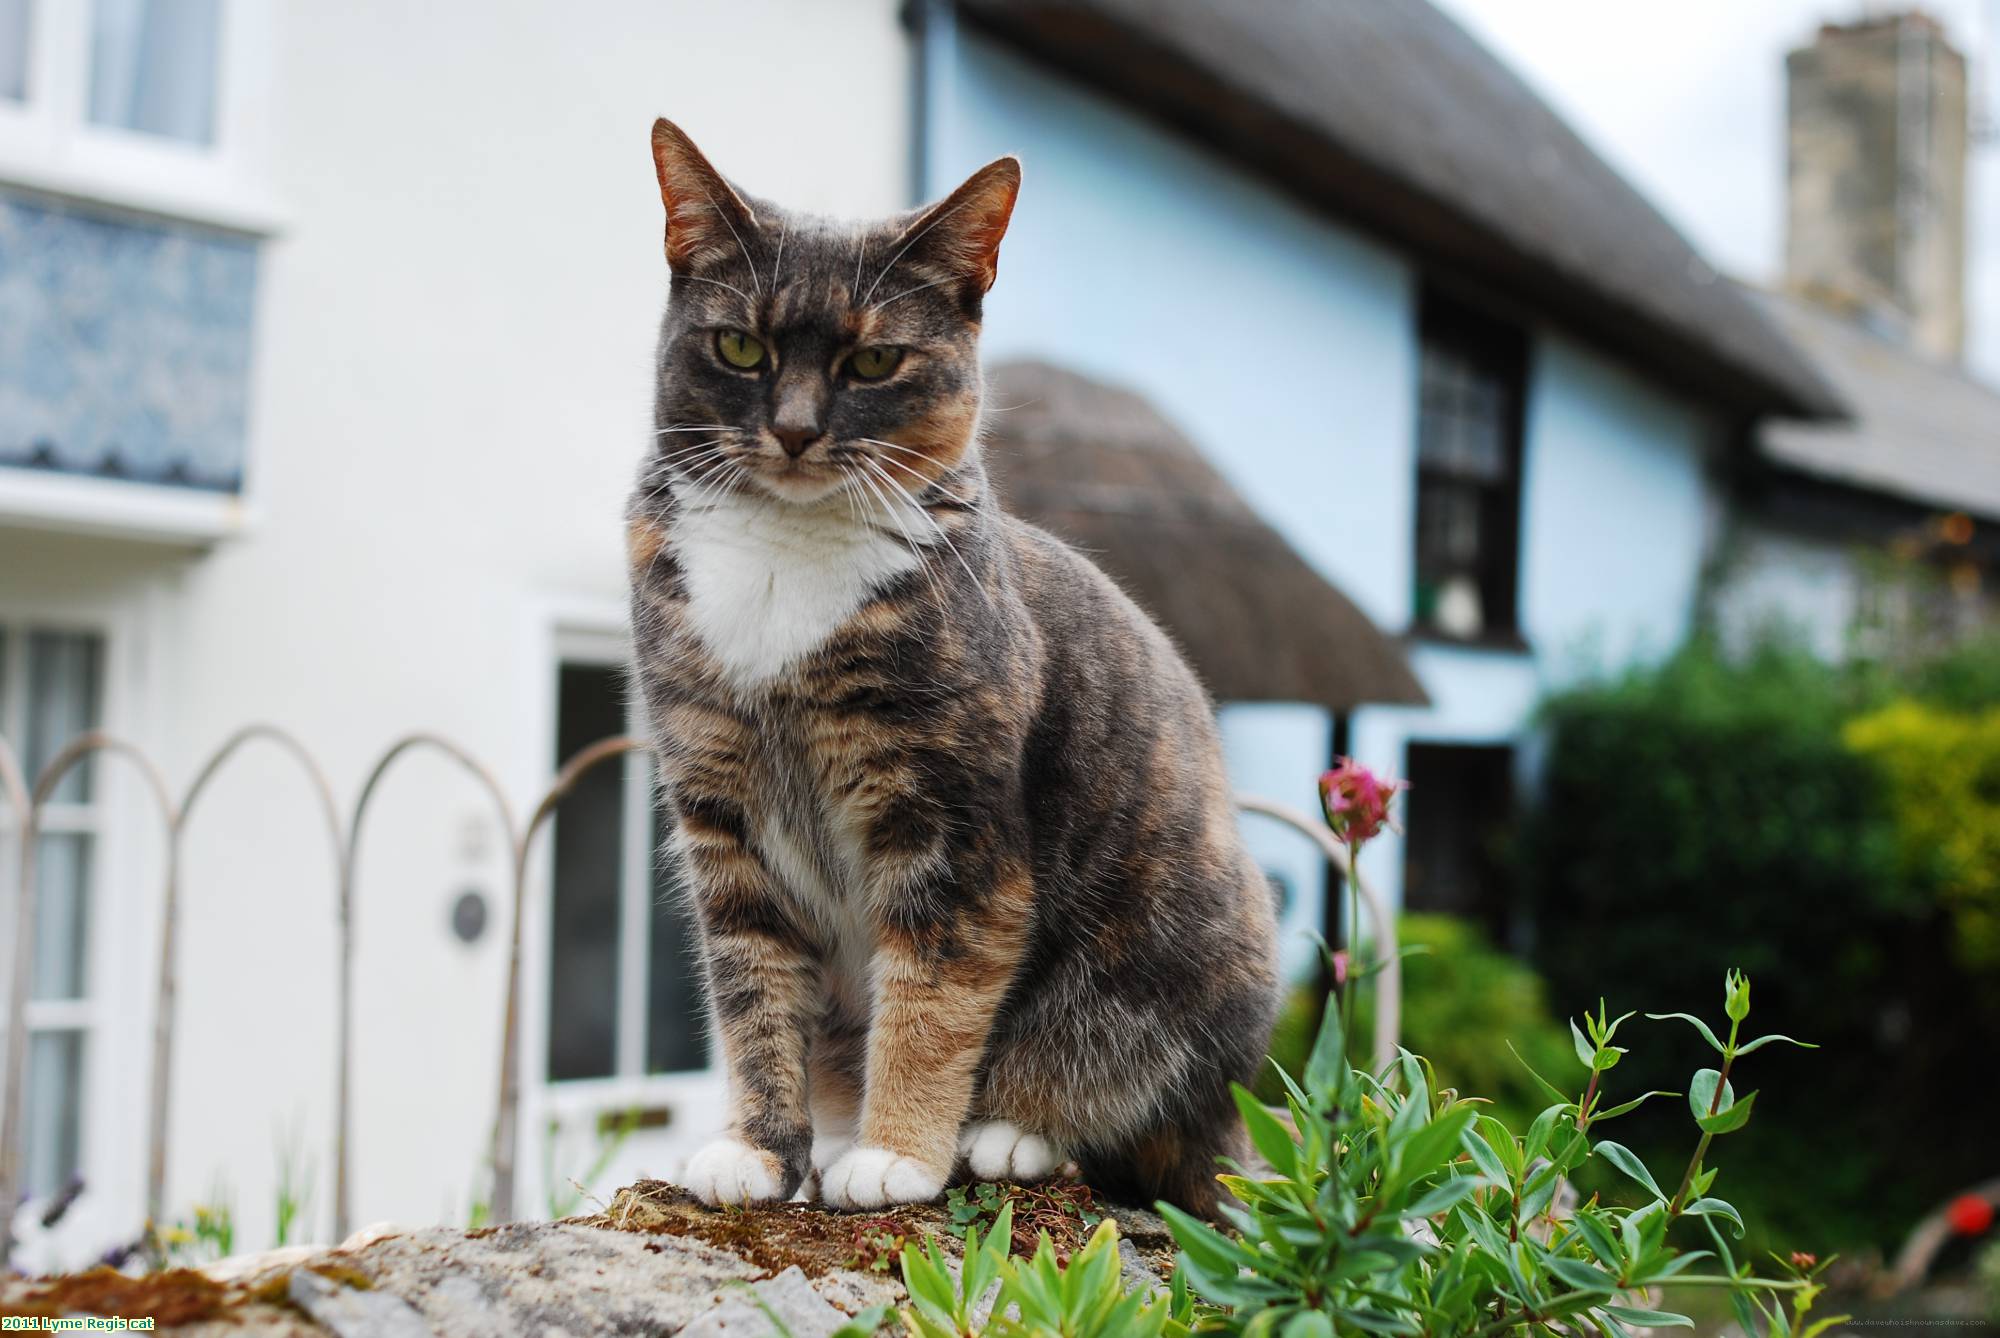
(1706, 813)
(1963, 678)
(1943, 774)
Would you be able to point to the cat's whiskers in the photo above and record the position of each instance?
(906, 250)
(750, 301)
(917, 550)
(698, 480)
(686, 452)
(911, 451)
(930, 520)
(694, 427)
(723, 215)
(783, 233)
(674, 465)
(729, 476)
(907, 291)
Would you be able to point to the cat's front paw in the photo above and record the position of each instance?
(730, 1171)
(867, 1177)
(998, 1150)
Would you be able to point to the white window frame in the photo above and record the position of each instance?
(123, 891)
(50, 144)
(594, 632)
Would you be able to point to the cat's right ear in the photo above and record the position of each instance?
(703, 213)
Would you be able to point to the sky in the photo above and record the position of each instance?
(1687, 100)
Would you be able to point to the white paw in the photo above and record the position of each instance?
(876, 1177)
(730, 1171)
(999, 1151)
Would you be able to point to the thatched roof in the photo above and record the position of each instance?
(1924, 431)
(1389, 115)
(1100, 467)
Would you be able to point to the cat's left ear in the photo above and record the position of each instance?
(962, 231)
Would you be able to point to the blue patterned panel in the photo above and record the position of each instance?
(124, 345)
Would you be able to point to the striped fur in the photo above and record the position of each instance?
(952, 809)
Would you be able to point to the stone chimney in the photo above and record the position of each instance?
(1875, 177)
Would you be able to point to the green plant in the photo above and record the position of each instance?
(1464, 1003)
(294, 1189)
(1058, 1206)
(210, 1235)
(1039, 1297)
(942, 1306)
(1394, 1208)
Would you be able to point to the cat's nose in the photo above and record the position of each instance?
(796, 440)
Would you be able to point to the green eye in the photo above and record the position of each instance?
(739, 349)
(874, 362)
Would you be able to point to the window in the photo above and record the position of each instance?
(624, 980)
(14, 50)
(1459, 807)
(51, 690)
(145, 105)
(1468, 472)
(153, 67)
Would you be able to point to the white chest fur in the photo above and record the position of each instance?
(768, 582)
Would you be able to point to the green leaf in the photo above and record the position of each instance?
(1581, 1276)
(1701, 1093)
(1271, 1139)
(1311, 1324)
(1652, 1318)
(1627, 1107)
(1539, 1131)
(1601, 1242)
(1445, 1196)
(1555, 1093)
(1501, 1140)
(1485, 1158)
(864, 1324)
(1694, 1022)
(1729, 1119)
(1627, 1161)
(1433, 1145)
(1763, 1041)
(1585, 1051)
(1326, 1067)
(1716, 1208)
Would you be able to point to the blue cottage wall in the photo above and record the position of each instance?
(1285, 345)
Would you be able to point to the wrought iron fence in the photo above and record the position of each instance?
(26, 802)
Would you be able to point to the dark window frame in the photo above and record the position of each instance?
(1497, 352)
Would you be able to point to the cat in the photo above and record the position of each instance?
(951, 808)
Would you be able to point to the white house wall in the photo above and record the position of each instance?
(451, 390)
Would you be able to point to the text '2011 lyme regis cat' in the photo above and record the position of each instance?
(952, 810)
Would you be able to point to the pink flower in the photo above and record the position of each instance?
(1341, 963)
(1357, 801)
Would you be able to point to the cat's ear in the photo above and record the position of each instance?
(962, 231)
(703, 212)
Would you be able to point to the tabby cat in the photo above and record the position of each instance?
(969, 883)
